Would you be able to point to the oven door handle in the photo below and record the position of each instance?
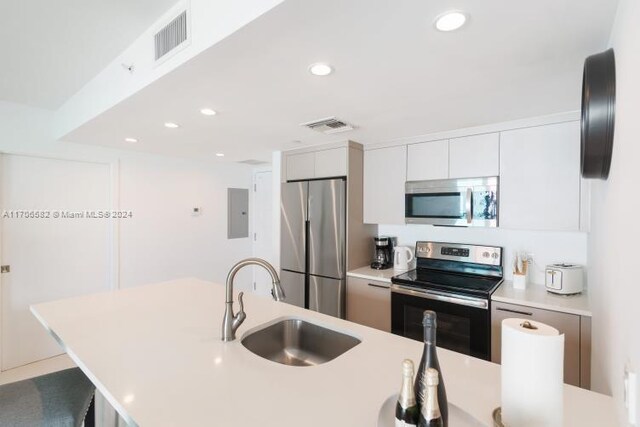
(469, 204)
(440, 296)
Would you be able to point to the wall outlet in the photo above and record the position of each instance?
(630, 395)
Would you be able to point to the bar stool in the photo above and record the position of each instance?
(59, 399)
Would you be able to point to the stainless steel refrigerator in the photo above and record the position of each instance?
(312, 244)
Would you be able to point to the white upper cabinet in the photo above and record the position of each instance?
(540, 178)
(384, 177)
(330, 163)
(428, 160)
(301, 166)
(474, 156)
(317, 164)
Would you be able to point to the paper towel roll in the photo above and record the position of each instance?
(532, 374)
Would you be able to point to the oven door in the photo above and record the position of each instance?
(463, 322)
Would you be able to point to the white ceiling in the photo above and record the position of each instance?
(395, 75)
(50, 49)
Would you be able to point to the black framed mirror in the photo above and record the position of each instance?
(598, 114)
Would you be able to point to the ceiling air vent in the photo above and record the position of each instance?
(329, 125)
(171, 35)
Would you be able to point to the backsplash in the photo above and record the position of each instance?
(546, 246)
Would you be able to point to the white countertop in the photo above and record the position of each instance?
(537, 296)
(155, 353)
(369, 273)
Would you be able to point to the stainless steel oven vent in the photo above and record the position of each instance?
(329, 125)
(171, 35)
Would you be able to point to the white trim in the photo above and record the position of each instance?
(569, 116)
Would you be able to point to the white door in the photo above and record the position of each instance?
(49, 258)
(262, 230)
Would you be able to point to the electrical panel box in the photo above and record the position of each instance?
(237, 213)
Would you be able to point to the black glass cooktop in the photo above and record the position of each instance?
(450, 282)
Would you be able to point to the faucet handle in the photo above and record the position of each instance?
(241, 315)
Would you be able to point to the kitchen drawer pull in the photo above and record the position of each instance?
(378, 286)
(508, 310)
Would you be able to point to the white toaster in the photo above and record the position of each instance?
(565, 279)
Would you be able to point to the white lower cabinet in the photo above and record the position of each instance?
(576, 330)
(369, 303)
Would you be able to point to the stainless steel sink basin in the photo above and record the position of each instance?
(296, 342)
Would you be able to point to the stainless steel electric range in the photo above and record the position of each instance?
(456, 281)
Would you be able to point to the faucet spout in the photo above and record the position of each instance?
(231, 322)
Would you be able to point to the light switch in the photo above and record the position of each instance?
(631, 395)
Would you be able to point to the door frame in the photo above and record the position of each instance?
(254, 223)
(114, 223)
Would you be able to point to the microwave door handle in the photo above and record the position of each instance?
(468, 205)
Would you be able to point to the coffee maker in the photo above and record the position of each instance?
(383, 254)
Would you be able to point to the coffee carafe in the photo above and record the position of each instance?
(383, 254)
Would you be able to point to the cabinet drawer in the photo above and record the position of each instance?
(567, 324)
(369, 303)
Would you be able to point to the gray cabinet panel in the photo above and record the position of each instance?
(369, 303)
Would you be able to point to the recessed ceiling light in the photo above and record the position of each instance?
(131, 140)
(220, 154)
(450, 21)
(320, 69)
(171, 125)
(208, 112)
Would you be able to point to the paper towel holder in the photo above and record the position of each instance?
(528, 325)
(497, 417)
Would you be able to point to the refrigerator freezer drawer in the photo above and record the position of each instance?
(293, 286)
(327, 296)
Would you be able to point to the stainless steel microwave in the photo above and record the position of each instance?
(468, 202)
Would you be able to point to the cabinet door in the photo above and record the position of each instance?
(567, 324)
(331, 163)
(369, 303)
(474, 156)
(429, 160)
(540, 178)
(384, 178)
(301, 166)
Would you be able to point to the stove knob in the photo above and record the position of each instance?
(494, 255)
(485, 254)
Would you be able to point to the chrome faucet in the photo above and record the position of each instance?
(231, 322)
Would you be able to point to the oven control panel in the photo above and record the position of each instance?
(459, 252)
(488, 255)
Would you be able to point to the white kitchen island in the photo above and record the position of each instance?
(155, 353)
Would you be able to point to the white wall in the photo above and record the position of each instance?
(546, 246)
(163, 240)
(615, 230)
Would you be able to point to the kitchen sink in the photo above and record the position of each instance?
(296, 342)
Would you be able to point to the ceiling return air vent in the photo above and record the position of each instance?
(329, 125)
(171, 36)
